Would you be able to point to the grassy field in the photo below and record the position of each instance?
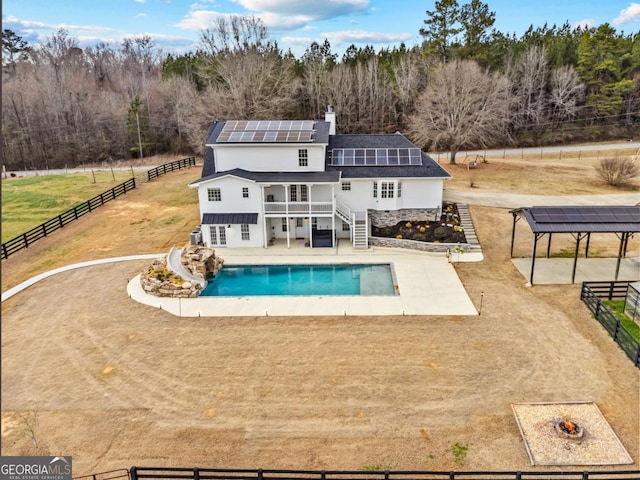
(29, 201)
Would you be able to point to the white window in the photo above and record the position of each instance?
(375, 189)
(386, 189)
(293, 193)
(346, 186)
(245, 192)
(214, 195)
(399, 189)
(303, 157)
(345, 227)
(213, 235)
(244, 231)
(304, 194)
(285, 223)
(299, 222)
(314, 223)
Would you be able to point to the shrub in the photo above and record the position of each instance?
(420, 237)
(399, 237)
(440, 233)
(408, 225)
(422, 229)
(618, 171)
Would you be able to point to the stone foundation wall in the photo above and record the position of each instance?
(159, 281)
(387, 219)
(414, 245)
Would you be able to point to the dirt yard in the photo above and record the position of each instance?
(89, 373)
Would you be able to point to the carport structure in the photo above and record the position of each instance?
(580, 222)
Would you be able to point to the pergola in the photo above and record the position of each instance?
(580, 222)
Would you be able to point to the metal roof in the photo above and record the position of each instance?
(229, 218)
(582, 219)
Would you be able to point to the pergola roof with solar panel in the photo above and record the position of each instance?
(583, 219)
(267, 131)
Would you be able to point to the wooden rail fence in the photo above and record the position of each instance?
(71, 215)
(592, 294)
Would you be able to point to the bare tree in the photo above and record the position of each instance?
(461, 106)
(528, 82)
(234, 34)
(567, 90)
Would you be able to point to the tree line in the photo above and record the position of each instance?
(467, 85)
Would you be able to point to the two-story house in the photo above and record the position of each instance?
(298, 181)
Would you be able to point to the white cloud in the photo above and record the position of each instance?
(313, 9)
(139, 1)
(585, 23)
(631, 14)
(277, 15)
(142, 15)
(199, 19)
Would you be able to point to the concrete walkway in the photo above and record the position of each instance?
(33, 280)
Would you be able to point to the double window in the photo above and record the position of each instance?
(298, 193)
(387, 189)
(346, 186)
(245, 192)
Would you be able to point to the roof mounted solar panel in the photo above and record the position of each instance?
(376, 156)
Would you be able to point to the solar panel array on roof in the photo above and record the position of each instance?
(266, 131)
(266, 136)
(268, 125)
(376, 156)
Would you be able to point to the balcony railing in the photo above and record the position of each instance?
(313, 208)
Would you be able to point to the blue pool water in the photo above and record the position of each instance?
(251, 280)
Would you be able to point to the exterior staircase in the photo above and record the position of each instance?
(358, 224)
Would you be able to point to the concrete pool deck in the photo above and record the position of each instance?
(427, 285)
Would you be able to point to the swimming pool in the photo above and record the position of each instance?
(330, 279)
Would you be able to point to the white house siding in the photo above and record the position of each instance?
(232, 202)
(231, 192)
(416, 193)
(269, 158)
(421, 193)
(234, 236)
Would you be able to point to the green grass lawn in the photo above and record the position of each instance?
(27, 202)
(617, 308)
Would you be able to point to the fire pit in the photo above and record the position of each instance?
(569, 429)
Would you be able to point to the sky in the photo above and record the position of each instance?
(175, 25)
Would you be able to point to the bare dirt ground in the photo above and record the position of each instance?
(116, 384)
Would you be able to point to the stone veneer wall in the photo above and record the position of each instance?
(381, 218)
(159, 281)
(415, 245)
(391, 218)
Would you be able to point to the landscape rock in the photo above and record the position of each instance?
(200, 261)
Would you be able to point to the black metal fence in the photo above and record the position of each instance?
(591, 294)
(44, 229)
(139, 473)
